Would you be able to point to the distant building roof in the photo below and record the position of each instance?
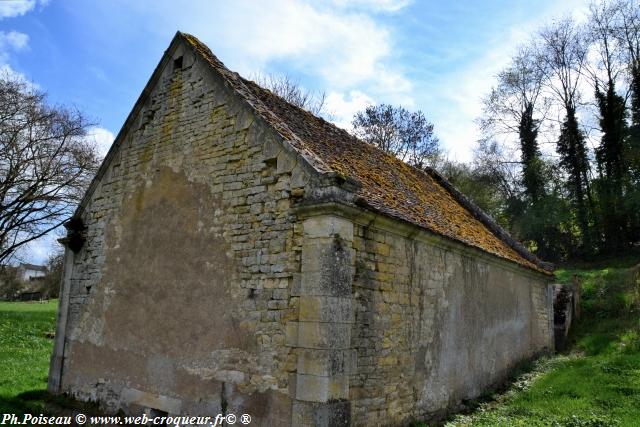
(33, 267)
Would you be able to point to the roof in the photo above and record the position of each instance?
(33, 267)
(387, 185)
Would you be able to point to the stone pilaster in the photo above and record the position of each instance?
(56, 363)
(322, 333)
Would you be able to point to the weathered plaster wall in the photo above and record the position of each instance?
(435, 325)
(179, 297)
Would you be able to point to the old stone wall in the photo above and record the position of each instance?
(178, 299)
(436, 323)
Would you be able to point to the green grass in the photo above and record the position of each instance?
(25, 348)
(597, 381)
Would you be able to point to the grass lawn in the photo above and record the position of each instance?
(26, 331)
(597, 381)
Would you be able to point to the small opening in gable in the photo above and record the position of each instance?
(177, 63)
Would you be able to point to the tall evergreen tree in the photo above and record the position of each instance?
(612, 166)
(532, 179)
(611, 157)
(573, 158)
(628, 34)
(563, 54)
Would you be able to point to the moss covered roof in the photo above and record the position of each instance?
(387, 184)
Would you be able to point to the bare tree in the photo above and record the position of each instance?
(603, 34)
(407, 135)
(627, 34)
(45, 164)
(518, 89)
(628, 31)
(562, 53)
(291, 91)
(516, 107)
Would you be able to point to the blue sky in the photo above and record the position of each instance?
(436, 56)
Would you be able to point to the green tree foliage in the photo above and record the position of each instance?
(10, 283)
(532, 178)
(612, 167)
(51, 282)
(610, 155)
(627, 33)
(573, 159)
(483, 188)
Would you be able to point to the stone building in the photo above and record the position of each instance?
(27, 272)
(237, 254)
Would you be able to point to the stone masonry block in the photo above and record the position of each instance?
(298, 177)
(286, 162)
(271, 149)
(336, 283)
(328, 226)
(313, 388)
(319, 255)
(327, 268)
(324, 335)
(325, 362)
(326, 309)
(291, 334)
(334, 414)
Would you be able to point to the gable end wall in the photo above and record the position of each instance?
(178, 299)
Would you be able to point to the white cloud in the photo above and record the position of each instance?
(101, 138)
(341, 48)
(13, 40)
(342, 109)
(7, 71)
(375, 5)
(346, 49)
(12, 8)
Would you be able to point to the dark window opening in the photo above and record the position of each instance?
(177, 63)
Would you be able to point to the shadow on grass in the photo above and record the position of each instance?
(38, 402)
